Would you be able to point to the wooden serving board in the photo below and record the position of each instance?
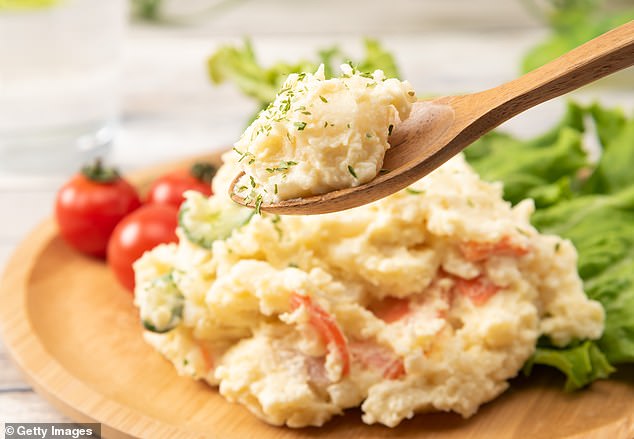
(76, 336)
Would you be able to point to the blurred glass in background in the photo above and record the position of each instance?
(59, 71)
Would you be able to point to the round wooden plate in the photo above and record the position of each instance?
(76, 335)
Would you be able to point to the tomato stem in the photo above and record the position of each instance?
(97, 172)
(203, 171)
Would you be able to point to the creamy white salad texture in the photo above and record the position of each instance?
(321, 135)
(430, 299)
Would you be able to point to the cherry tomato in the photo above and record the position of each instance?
(89, 206)
(326, 326)
(142, 230)
(169, 188)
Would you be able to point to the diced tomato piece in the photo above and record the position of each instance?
(326, 326)
(475, 251)
(207, 357)
(479, 289)
(377, 357)
(391, 309)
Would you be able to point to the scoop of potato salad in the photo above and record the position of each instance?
(321, 135)
(430, 299)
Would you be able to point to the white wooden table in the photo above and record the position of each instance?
(170, 110)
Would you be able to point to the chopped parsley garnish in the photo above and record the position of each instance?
(300, 126)
(389, 130)
(258, 205)
(323, 99)
(411, 93)
(252, 181)
(523, 232)
(368, 135)
(413, 191)
(283, 167)
(275, 189)
(245, 154)
(351, 171)
(276, 220)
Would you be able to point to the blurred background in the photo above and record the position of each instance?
(130, 80)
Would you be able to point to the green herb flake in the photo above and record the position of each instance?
(258, 205)
(411, 93)
(389, 130)
(413, 191)
(323, 99)
(300, 126)
(383, 171)
(252, 181)
(351, 171)
(368, 135)
(275, 189)
(522, 231)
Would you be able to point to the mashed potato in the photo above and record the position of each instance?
(321, 134)
(427, 300)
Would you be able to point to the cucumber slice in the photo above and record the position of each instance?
(163, 307)
(203, 223)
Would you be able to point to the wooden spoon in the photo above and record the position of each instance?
(439, 129)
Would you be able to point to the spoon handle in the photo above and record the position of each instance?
(606, 54)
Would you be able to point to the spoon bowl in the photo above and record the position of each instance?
(437, 130)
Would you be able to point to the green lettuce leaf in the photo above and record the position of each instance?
(541, 168)
(615, 169)
(572, 23)
(581, 364)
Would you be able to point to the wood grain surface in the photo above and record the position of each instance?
(76, 336)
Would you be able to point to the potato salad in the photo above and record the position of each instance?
(321, 135)
(430, 299)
